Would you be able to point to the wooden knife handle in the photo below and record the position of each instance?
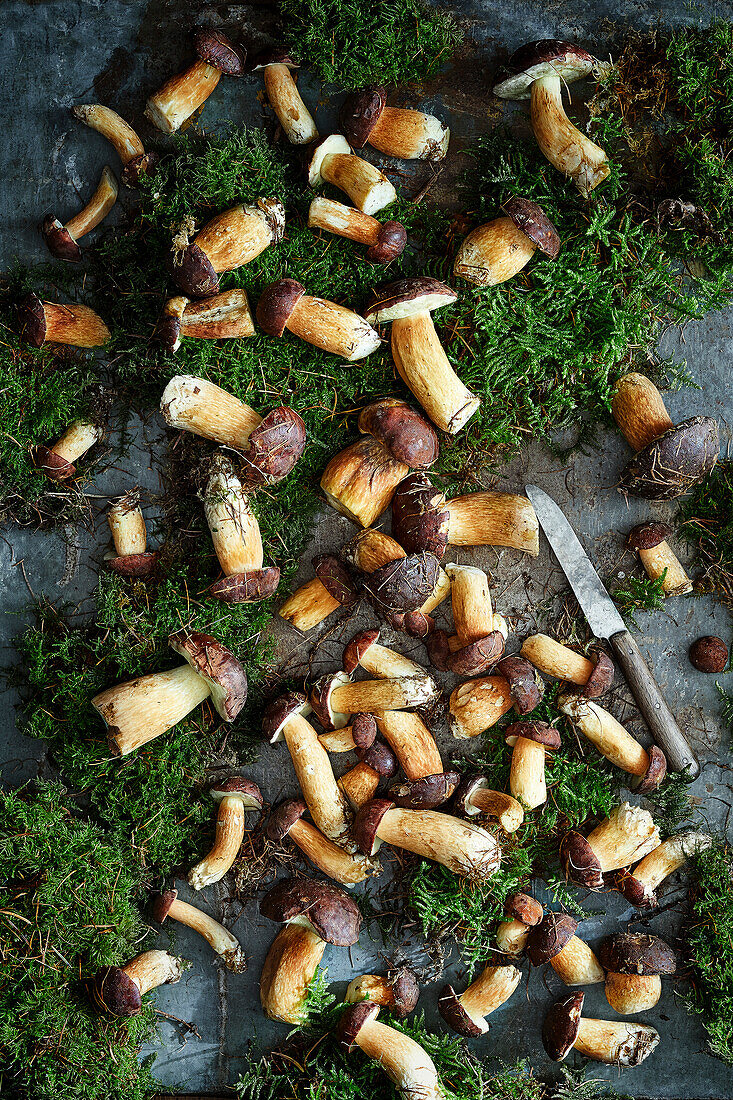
(654, 710)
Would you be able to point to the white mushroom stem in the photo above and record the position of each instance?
(386, 663)
(411, 135)
(128, 527)
(511, 936)
(225, 316)
(406, 1064)
(113, 127)
(370, 696)
(367, 187)
(308, 606)
(668, 857)
(195, 405)
(661, 562)
(627, 993)
(493, 987)
(615, 1041)
(609, 736)
(411, 741)
(360, 481)
(332, 328)
(235, 237)
(493, 253)
(498, 622)
(227, 842)
(220, 938)
(151, 969)
(527, 773)
(77, 440)
(287, 103)
(321, 792)
(476, 705)
(577, 964)
(569, 150)
(140, 710)
(180, 96)
(497, 804)
(98, 207)
(555, 659)
(463, 848)
(627, 834)
(343, 221)
(359, 784)
(426, 371)
(473, 615)
(289, 968)
(329, 857)
(234, 529)
(493, 519)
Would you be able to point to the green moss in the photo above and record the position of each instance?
(638, 594)
(708, 935)
(706, 524)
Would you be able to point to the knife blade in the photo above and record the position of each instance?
(606, 622)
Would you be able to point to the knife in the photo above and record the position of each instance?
(605, 622)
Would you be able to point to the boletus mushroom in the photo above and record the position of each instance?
(269, 447)
(57, 461)
(480, 634)
(477, 705)
(221, 940)
(235, 796)
(119, 990)
(225, 316)
(411, 135)
(331, 160)
(131, 557)
(331, 588)
(554, 941)
(60, 323)
(142, 709)
(616, 1042)
(404, 1061)
(626, 835)
(182, 95)
(315, 914)
(467, 1013)
(364, 651)
(635, 963)
(522, 913)
(62, 240)
(326, 325)
(385, 240)
(360, 783)
(496, 252)
(121, 136)
(538, 71)
(475, 796)
(287, 820)
(334, 697)
(530, 741)
(659, 560)
(640, 885)
(670, 458)
(551, 657)
(709, 654)
(615, 742)
(277, 67)
(398, 991)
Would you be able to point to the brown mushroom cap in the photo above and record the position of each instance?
(320, 698)
(561, 1027)
(389, 244)
(144, 164)
(360, 113)
(405, 991)
(277, 302)
(160, 904)
(216, 49)
(357, 649)
(380, 757)
(274, 447)
(636, 892)
(420, 517)
(709, 654)
(455, 1015)
(403, 584)
(133, 565)
(59, 241)
(524, 908)
(363, 731)
(402, 431)
(366, 823)
(675, 462)
(534, 223)
(193, 272)
(406, 297)
(579, 862)
(654, 774)
(32, 320)
(336, 579)
(438, 647)
(218, 666)
(535, 60)
(246, 789)
(52, 465)
(425, 793)
(645, 536)
(525, 686)
(602, 676)
(540, 732)
(250, 587)
(283, 817)
(116, 993)
(334, 916)
(278, 711)
(547, 939)
(274, 55)
(636, 953)
(415, 623)
(352, 1021)
(477, 657)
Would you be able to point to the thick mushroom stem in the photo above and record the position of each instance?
(127, 524)
(140, 710)
(287, 103)
(494, 253)
(569, 150)
(463, 848)
(57, 462)
(555, 659)
(473, 614)
(615, 1042)
(493, 519)
(380, 661)
(234, 529)
(196, 405)
(427, 372)
(220, 938)
(497, 804)
(627, 834)
(627, 993)
(669, 856)
(412, 742)
(477, 705)
(409, 134)
(493, 987)
(661, 562)
(235, 237)
(370, 696)
(180, 96)
(113, 127)
(385, 240)
(332, 328)
(309, 605)
(576, 964)
(288, 971)
(153, 968)
(639, 411)
(325, 801)
(228, 841)
(367, 187)
(329, 857)
(404, 1061)
(512, 936)
(360, 481)
(61, 323)
(527, 774)
(359, 784)
(609, 736)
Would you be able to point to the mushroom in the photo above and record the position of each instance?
(330, 160)
(235, 533)
(402, 588)
(57, 462)
(538, 72)
(658, 558)
(495, 252)
(422, 519)
(616, 1042)
(558, 660)
(640, 885)
(326, 325)
(331, 588)
(360, 783)
(364, 651)
(226, 946)
(412, 742)
(131, 557)
(334, 697)
(315, 914)
(410, 135)
(417, 351)
(360, 481)
(269, 446)
(385, 240)
(120, 990)
(476, 705)
(398, 991)
(530, 742)
(225, 316)
(466, 1013)
(60, 323)
(553, 941)
(670, 458)
(425, 793)
(234, 795)
(128, 146)
(522, 913)
(635, 961)
(230, 240)
(405, 1062)
(286, 820)
(276, 66)
(475, 796)
(627, 834)
(480, 641)
(184, 93)
(463, 848)
(284, 719)
(360, 735)
(709, 654)
(140, 710)
(614, 742)
(61, 239)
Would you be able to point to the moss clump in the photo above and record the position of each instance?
(706, 517)
(638, 594)
(708, 935)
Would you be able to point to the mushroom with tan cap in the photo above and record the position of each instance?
(640, 885)
(142, 709)
(627, 834)
(530, 742)
(660, 562)
(235, 533)
(522, 913)
(269, 447)
(57, 461)
(119, 990)
(385, 240)
(467, 1013)
(560, 661)
(475, 796)
(331, 160)
(398, 991)
(480, 634)
(225, 316)
(670, 458)
(128, 146)
(334, 696)
(360, 481)
(235, 796)
(326, 325)
(615, 742)
(62, 240)
(635, 962)
(131, 557)
(477, 705)
(60, 323)
(277, 66)
(496, 252)
(554, 941)
(287, 820)
(184, 93)
(225, 945)
(405, 1062)
(616, 1042)
(360, 783)
(417, 351)
(411, 135)
(315, 914)
(538, 72)
(331, 588)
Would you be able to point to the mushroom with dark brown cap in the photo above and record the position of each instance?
(226, 946)
(525, 685)
(496, 252)
(425, 793)
(184, 93)
(635, 962)
(235, 533)
(360, 481)
(627, 834)
(670, 458)
(614, 741)
(467, 1013)
(640, 885)
(131, 557)
(287, 820)
(480, 634)
(403, 586)
(477, 705)
(224, 316)
(334, 697)
(554, 941)
(315, 914)
(235, 795)
(417, 351)
(530, 742)
(364, 651)
(616, 1042)
(277, 66)
(660, 562)
(411, 135)
(398, 991)
(119, 990)
(331, 160)
(475, 796)
(326, 325)
(331, 588)
(538, 72)
(142, 709)
(57, 461)
(522, 913)
(269, 447)
(553, 658)
(385, 240)
(709, 654)
(360, 735)
(126, 143)
(61, 239)
(360, 783)
(60, 323)
(405, 1062)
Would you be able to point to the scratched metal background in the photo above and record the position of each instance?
(117, 51)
